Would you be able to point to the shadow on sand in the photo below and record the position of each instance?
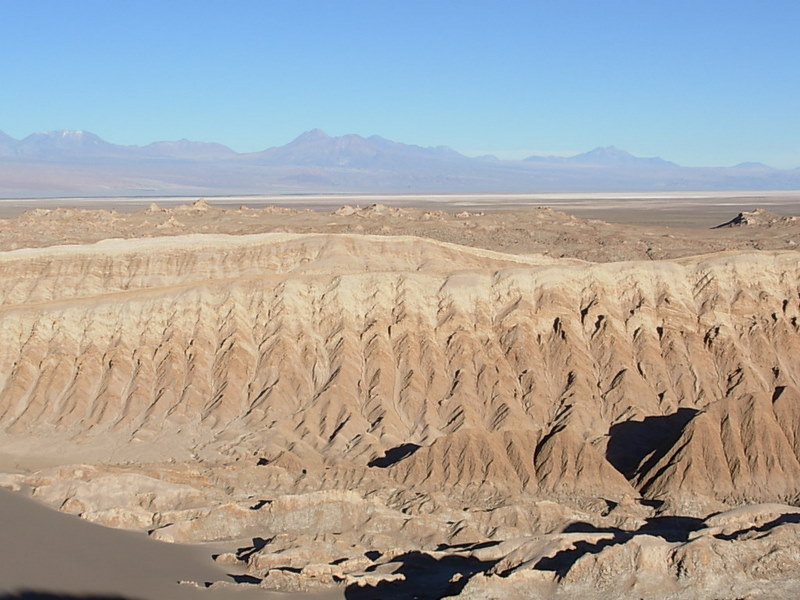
(429, 578)
(34, 595)
(671, 529)
(394, 455)
(782, 520)
(426, 578)
(632, 441)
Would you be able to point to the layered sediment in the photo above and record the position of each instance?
(352, 410)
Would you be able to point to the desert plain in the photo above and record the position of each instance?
(518, 397)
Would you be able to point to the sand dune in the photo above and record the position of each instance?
(58, 557)
(351, 410)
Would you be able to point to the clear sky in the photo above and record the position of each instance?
(703, 82)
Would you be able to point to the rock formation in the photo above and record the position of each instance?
(357, 408)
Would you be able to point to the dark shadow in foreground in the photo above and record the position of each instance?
(782, 520)
(37, 595)
(426, 578)
(670, 529)
(243, 554)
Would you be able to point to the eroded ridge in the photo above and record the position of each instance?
(397, 395)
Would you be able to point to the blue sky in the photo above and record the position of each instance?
(699, 83)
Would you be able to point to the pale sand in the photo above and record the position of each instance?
(43, 550)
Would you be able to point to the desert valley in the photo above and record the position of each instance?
(401, 397)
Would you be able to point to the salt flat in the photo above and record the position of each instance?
(677, 209)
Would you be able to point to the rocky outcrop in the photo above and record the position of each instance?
(521, 373)
(368, 408)
(758, 217)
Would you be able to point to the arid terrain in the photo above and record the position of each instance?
(406, 399)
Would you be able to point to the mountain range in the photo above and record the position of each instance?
(70, 162)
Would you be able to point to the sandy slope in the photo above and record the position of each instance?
(395, 415)
(46, 552)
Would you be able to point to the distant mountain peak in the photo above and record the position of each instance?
(315, 160)
(317, 148)
(613, 156)
(312, 134)
(608, 151)
(751, 165)
(59, 143)
(605, 156)
(72, 134)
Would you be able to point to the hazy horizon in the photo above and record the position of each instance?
(696, 85)
(503, 156)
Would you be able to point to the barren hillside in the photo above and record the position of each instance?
(398, 415)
